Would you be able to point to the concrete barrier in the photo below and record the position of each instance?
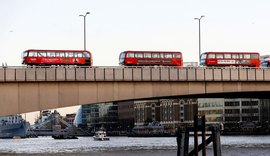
(133, 74)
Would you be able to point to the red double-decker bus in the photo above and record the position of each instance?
(151, 58)
(248, 59)
(57, 57)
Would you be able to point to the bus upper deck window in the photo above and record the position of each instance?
(254, 56)
(138, 55)
(69, 54)
(161, 55)
(62, 54)
(241, 56)
(176, 55)
(211, 56)
(219, 56)
(129, 55)
(80, 55)
(42, 54)
(147, 55)
(235, 56)
(155, 55)
(246, 56)
(51, 54)
(167, 55)
(227, 56)
(32, 54)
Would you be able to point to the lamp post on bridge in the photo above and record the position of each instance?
(199, 19)
(84, 20)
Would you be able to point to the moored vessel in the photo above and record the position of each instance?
(13, 126)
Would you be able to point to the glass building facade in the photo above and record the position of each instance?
(213, 109)
(93, 116)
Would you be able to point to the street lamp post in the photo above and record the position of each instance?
(199, 19)
(84, 20)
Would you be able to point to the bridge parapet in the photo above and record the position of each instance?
(21, 74)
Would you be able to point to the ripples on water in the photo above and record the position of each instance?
(84, 145)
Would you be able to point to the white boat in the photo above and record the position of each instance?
(101, 135)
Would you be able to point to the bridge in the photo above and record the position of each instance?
(27, 89)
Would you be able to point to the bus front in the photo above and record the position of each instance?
(24, 57)
(122, 58)
(203, 59)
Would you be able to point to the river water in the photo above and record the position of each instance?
(128, 146)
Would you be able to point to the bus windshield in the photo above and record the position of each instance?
(25, 53)
(121, 58)
(85, 54)
(203, 58)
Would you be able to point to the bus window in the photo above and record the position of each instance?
(51, 54)
(211, 56)
(80, 55)
(85, 54)
(25, 53)
(254, 56)
(147, 55)
(246, 56)
(227, 56)
(219, 56)
(203, 56)
(41, 54)
(129, 55)
(62, 54)
(155, 55)
(166, 55)
(161, 55)
(235, 56)
(32, 54)
(240, 56)
(122, 57)
(176, 55)
(138, 55)
(69, 54)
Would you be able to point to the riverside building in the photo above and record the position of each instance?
(234, 114)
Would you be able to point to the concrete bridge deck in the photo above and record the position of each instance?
(25, 89)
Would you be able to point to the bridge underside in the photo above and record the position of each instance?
(21, 97)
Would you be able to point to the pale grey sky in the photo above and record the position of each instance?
(118, 25)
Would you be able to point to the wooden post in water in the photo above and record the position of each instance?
(203, 137)
(216, 141)
(196, 135)
(183, 138)
(182, 141)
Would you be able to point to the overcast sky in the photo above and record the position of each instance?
(118, 25)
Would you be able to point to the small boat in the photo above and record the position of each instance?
(101, 135)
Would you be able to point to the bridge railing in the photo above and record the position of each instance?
(121, 73)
